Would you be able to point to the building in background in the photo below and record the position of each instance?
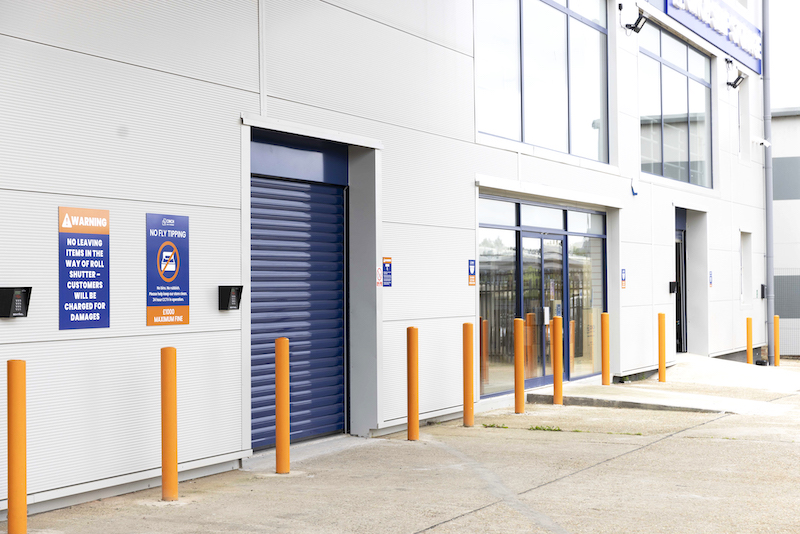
(355, 166)
(786, 193)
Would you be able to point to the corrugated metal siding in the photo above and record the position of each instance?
(207, 40)
(369, 69)
(88, 126)
(298, 292)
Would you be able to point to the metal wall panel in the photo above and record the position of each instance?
(207, 40)
(116, 130)
(369, 69)
(215, 250)
(427, 179)
(94, 406)
(446, 22)
(298, 292)
(429, 272)
(440, 367)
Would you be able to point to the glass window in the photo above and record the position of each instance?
(650, 113)
(675, 111)
(700, 134)
(673, 50)
(699, 65)
(498, 307)
(497, 212)
(545, 67)
(541, 217)
(557, 96)
(587, 71)
(676, 126)
(591, 9)
(497, 73)
(585, 223)
(650, 39)
(586, 304)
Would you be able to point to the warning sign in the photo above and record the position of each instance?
(167, 269)
(83, 268)
(471, 272)
(387, 272)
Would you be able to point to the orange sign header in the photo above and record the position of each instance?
(83, 221)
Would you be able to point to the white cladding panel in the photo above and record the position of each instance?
(440, 367)
(215, 259)
(446, 22)
(94, 407)
(206, 40)
(427, 179)
(116, 130)
(338, 60)
(429, 272)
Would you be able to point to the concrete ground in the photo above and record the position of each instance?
(553, 469)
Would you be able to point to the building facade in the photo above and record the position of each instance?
(359, 167)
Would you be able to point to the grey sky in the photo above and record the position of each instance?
(783, 51)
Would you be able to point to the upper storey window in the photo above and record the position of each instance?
(674, 108)
(541, 73)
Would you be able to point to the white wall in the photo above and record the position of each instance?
(134, 109)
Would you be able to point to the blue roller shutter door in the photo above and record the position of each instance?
(297, 269)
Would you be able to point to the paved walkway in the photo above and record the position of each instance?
(554, 469)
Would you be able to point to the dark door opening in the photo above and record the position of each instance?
(680, 295)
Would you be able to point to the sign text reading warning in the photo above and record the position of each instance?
(167, 269)
(83, 268)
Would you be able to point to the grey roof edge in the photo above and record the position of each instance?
(786, 112)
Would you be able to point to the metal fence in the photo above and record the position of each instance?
(787, 307)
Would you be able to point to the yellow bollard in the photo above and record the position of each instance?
(558, 360)
(777, 334)
(169, 424)
(606, 351)
(17, 449)
(519, 370)
(750, 340)
(412, 349)
(283, 422)
(662, 347)
(469, 383)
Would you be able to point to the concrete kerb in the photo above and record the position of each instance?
(542, 398)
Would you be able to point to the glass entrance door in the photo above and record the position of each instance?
(542, 300)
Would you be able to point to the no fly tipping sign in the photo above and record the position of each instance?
(167, 269)
(83, 268)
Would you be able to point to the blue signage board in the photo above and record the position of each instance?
(387, 272)
(720, 25)
(83, 292)
(167, 269)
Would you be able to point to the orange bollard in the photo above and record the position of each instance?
(777, 335)
(169, 424)
(17, 449)
(282, 404)
(484, 353)
(558, 360)
(412, 349)
(469, 383)
(750, 340)
(519, 371)
(604, 334)
(662, 347)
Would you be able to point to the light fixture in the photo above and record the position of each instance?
(638, 25)
(735, 76)
(738, 81)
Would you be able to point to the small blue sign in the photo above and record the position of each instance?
(387, 272)
(472, 267)
(710, 279)
(623, 275)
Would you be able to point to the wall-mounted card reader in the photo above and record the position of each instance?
(14, 301)
(673, 287)
(229, 297)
